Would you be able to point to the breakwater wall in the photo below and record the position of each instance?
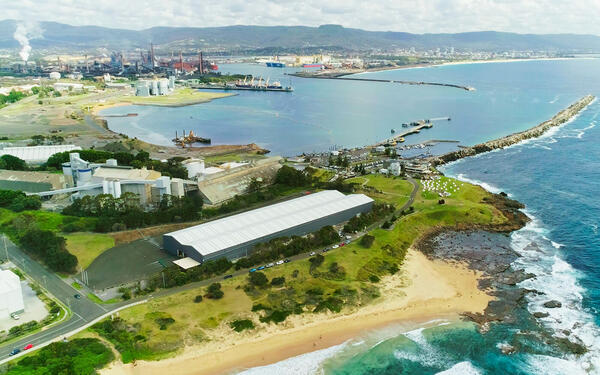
(344, 78)
(538, 130)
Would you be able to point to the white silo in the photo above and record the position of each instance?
(84, 176)
(154, 88)
(163, 86)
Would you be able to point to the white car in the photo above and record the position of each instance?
(312, 253)
(270, 265)
(15, 316)
(280, 262)
(335, 246)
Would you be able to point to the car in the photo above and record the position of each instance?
(14, 352)
(261, 268)
(252, 270)
(28, 346)
(270, 265)
(227, 276)
(312, 253)
(77, 296)
(342, 244)
(325, 250)
(286, 261)
(15, 316)
(335, 246)
(279, 262)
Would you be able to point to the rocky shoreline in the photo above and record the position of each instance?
(487, 249)
(538, 130)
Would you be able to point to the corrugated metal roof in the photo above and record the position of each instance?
(37, 154)
(9, 281)
(221, 234)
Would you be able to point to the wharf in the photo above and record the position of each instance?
(254, 88)
(400, 137)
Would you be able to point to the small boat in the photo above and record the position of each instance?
(393, 131)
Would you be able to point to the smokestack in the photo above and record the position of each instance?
(87, 64)
(152, 54)
(181, 61)
(201, 64)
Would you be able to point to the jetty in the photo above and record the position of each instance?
(344, 78)
(242, 88)
(509, 140)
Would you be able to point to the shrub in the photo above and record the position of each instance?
(374, 278)
(241, 324)
(164, 322)
(214, 291)
(258, 279)
(198, 299)
(278, 280)
(367, 241)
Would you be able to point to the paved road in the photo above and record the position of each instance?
(83, 309)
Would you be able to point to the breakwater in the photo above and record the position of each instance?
(344, 78)
(509, 140)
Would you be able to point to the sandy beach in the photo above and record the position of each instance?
(424, 290)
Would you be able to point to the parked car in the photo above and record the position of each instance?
(279, 262)
(312, 253)
(335, 246)
(28, 346)
(325, 250)
(253, 270)
(261, 268)
(342, 244)
(270, 265)
(227, 276)
(15, 316)
(14, 352)
(77, 296)
(286, 261)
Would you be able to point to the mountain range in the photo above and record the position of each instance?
(254, 38)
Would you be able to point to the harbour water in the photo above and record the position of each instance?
(556, 176)
(321, 114)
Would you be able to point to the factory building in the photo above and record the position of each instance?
(32, 182)
(234, 236)
(37, 154)
(11, 296)
(162, 86)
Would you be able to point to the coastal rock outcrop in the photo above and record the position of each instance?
(552, 304)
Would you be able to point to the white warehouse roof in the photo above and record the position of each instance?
(37, 154)
(238, 229)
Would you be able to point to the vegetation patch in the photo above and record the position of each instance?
(241, 325)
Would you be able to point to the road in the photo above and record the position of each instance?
(84, 310)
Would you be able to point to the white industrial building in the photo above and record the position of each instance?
(162, 86)
(234, 236)
(37, 154)
(11, 296)
(197, 170)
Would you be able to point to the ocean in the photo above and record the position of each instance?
(556, 176)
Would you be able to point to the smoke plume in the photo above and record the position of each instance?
(23, 34)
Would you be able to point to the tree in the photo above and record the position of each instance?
(367, 240)
(214, 291)
(258, 279)
(289, 176)
(12, 163)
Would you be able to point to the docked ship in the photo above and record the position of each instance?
(258, 85)
(275, 64)
(317, 65)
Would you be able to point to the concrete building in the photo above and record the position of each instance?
(32, 182)
(234, 236)
(66, 86)
(37, 154)
(395, 168)
(11, 296)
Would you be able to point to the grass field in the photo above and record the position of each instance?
(181, 96)
(86, 246)
(354, 280)
(391, 189)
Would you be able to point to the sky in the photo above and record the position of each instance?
(415, 16)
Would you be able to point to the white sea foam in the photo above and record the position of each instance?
(305, 364)
(461, 368)
(485, 185)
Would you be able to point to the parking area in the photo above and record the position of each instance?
(127, 263)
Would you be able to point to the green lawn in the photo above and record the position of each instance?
(391, 189)
(180, 96)
(87, 246)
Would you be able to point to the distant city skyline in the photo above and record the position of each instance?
(426, 16)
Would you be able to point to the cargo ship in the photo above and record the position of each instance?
(275, 64)
(312, 65)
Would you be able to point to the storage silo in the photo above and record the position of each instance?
(163, 87)
(154, 88)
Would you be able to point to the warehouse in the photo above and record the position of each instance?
(234, 236)
(11, 297)
(37, 154)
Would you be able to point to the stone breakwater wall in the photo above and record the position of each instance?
(559, 119)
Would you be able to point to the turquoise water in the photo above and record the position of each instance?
(556, 176)
(320, 114)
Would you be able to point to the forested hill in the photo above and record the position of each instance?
(243, 38)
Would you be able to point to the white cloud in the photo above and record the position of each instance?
(416, 16)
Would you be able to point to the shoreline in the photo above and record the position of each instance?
(426, 290)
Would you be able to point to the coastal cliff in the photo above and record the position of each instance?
(538, 130)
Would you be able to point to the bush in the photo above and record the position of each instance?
(374, 278)
(164, 322)
(214, 291)
(198, 299)
(241, 324)
(258, 279)
(367, 241)
(12, 163)
(50, 248)
(276, 316)
(278, 280)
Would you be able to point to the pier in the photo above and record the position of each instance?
(342, 77)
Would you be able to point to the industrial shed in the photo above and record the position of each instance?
(37, 154)
(234, 236)
(11, 297)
